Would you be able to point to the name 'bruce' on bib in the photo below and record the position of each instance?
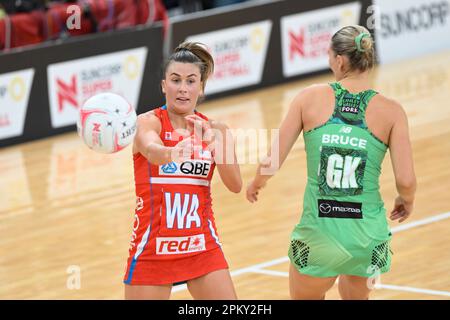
(344, 140)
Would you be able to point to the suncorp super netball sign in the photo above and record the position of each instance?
(306, 36)
(71, 83)
(408, 28)
(239, 55)
(14, 95)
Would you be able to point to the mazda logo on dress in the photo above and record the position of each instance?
(325, 208)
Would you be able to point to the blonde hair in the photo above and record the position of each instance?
(196, 53)
(357, 44)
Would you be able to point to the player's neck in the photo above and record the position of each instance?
(177, 119)
(355, 82)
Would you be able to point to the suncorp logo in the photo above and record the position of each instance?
(131, 67)
(415, 19)
(17, 89)
(257, 39)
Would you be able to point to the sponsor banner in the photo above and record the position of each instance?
(15, 90)
(239, 55)
(408, 28)
(305, 37)
(180, 245)
(339, 209)
(71, 83)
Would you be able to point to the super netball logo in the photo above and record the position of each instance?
(230, 146)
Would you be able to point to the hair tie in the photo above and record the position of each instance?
(358, 40)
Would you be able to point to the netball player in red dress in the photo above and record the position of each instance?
(174, 237)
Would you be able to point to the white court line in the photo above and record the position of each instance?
(258, 267)
(377, 286)
(178, 288)
(271, 272)
(243, 270)
(422, 222)
(411, 289)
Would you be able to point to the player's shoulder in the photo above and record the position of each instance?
(149, 119)
(388, 104)
(148, 116)
(311, 95)
(318, 87)
(313, 91)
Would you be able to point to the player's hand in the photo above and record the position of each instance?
(201, 128)
(197, 123)
(402, 210)
(253, 191)
(183, 150)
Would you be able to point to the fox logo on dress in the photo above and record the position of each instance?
(168, 135)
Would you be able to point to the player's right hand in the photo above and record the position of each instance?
(402, 210)
(183, 150)
(253, 191)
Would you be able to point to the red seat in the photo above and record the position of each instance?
(22, 29)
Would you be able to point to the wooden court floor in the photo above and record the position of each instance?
(66, 211)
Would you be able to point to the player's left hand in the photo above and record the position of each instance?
(253, 191)
(201, 128)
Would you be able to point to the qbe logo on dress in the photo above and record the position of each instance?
(168, 168)
(191, 168)
(180, 245)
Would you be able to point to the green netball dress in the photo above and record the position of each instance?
(343, 229)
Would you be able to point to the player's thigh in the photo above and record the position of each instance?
(139, 292)
(216, 285)
(354, 287)
(305, 287)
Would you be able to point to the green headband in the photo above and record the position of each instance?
(358, 40)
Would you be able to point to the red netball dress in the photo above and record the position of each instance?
(174, 234)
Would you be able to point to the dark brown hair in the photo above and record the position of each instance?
(196, 53)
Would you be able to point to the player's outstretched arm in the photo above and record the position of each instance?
(225, 157)
(290, 129)
(147, 140)
(402, 164)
